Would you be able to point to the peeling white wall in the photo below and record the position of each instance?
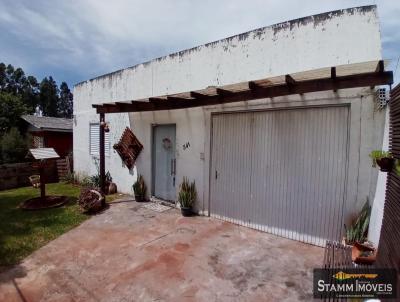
(340, 37)
(375, 224)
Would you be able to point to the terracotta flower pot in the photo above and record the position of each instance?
(385, 163)
(112, 188)
(363, 254)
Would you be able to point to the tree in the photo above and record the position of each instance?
(53, 101)
(3, 77)
(11, 108)
(65, 103)
(15, 81)
(49, 97)
(14, 147)
(30, 93)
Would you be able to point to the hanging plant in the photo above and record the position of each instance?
(384, 159)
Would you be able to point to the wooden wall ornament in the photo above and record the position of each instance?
(128, 148)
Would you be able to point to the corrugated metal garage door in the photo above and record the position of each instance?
(281, 171)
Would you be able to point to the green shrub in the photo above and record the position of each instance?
(85, 182)
(95, 179)
(14, 147)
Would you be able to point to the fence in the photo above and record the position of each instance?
(389, 244)
(16, 175)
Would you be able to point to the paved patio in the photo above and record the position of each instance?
(130, 253)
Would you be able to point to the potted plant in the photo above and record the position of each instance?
(383, 159)
(187, 196)
(356, 236)
(139, 189)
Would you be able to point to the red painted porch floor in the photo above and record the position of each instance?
(130, 253)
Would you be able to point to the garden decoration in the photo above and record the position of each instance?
(128, 148)
(41, 155)
(383, 159)
(91, 201)
(187, 197)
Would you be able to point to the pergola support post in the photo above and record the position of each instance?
(42, 179)
(102, 156)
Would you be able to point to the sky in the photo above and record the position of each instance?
(77, 40)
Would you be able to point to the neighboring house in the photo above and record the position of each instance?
(282, 147)
(50, 132)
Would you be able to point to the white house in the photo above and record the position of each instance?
(295, 164)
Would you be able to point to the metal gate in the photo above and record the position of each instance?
(282, 171)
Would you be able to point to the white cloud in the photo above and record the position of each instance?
(82, 39)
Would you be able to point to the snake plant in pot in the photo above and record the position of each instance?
(187, 197)
(356, 234)
(139, 188)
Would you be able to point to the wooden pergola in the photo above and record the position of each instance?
(365, 74)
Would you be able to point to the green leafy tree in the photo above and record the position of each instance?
(53, 101)
(65, 104)
(3, 77)
(49, 97)
(14, 147)
(15, 81)
(29, 93)
(11, 108)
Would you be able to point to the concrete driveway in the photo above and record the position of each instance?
(130, 253)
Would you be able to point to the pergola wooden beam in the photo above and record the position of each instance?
(223, 92)
(333, 73)
(381, 66)
(260, 92)
(155, 100)
(177, 99)
(253, 85)
(333, 76)
(197, 95)
(289, 80)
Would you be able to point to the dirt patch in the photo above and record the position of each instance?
(39, 203)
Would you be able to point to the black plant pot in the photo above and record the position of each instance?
(186, 212)
(139, 198)
(385, 163)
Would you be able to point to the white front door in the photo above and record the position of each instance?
(164, 162)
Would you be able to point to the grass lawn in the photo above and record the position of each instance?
(22, 232)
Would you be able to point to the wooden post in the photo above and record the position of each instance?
(102, 156)
(42, 180)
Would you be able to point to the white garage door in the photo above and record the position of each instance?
(281, 171)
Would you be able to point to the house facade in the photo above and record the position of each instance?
(50, 132)
(295, 165)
